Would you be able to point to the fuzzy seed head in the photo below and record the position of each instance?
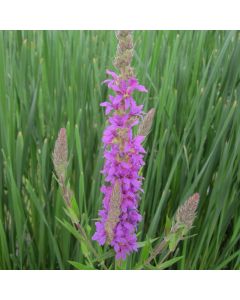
(146, 125)
(60, 154)
(187, 212)
(114, 212)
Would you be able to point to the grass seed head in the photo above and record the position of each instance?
(114, 211)
(186, 213)
(146, 125)
(60, 154)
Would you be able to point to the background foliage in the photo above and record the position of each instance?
(51, 79)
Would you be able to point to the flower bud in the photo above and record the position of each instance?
(124, 53)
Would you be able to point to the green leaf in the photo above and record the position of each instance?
(173, 241)
(71, 214)
(104, 256)
(168, 225)
(80, 266)
(169, 263)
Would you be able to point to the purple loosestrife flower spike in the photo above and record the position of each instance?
(123, 155)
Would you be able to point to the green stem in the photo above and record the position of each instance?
(155, 252)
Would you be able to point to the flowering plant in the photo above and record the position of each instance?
(123, 155)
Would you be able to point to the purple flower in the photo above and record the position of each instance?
(123, 155)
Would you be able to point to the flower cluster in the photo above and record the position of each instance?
(123, 155)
